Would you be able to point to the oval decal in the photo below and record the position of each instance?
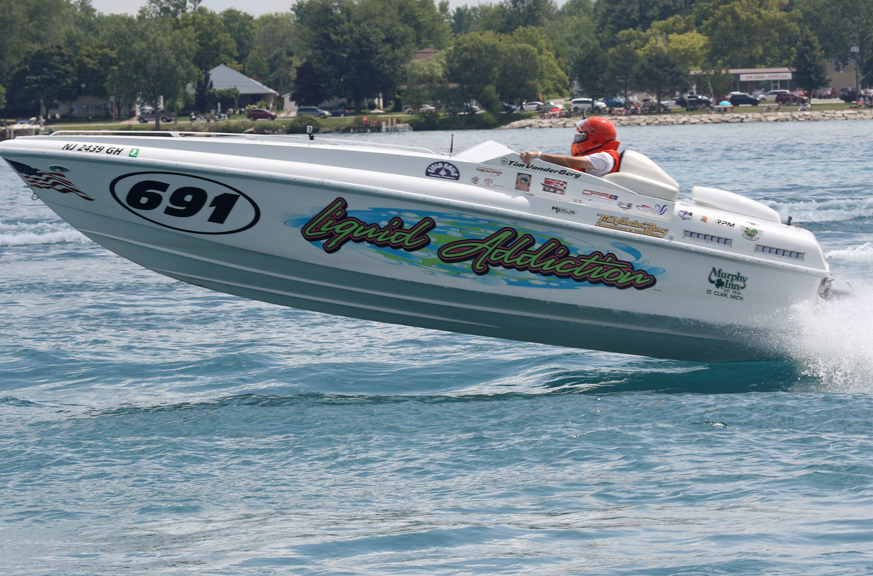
(185, 203)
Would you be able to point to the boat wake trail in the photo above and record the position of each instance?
(825, 210)
(25, 234)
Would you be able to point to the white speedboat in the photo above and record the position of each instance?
(478, 242)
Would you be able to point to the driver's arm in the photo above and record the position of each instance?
(576, 162)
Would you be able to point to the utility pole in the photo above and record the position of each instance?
(856, 51)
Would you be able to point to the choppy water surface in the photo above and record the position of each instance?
(152, 427)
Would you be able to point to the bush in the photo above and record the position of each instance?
(298, 125)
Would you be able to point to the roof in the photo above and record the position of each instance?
(224, 78)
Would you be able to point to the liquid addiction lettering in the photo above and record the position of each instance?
(507, 250)
(336, 228)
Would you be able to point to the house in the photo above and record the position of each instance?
(250, 91)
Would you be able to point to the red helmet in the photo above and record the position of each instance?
(591, 134)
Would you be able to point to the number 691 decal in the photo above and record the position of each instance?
(187, 203)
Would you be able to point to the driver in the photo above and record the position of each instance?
(595, 149)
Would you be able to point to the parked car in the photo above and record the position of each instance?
(165, 116)
(587, 104)
(311, 111)
(771, 95)
(551, 105)
(693, 101)
(848, 95)
(614, 102)
(462, 109)
(423, 109)
(827, 93)
(509, 107)
(740, 98)
(791, 97)
(337, 112)
(532, 106)
(260, 113)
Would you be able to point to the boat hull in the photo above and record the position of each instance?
(453, 263)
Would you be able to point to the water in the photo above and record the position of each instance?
(151, 427)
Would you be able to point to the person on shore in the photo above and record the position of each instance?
(594, 149)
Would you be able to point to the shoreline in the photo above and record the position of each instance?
(686, 119)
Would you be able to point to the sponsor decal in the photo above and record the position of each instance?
(37, 179)
(522, 182)
(443, 171)
(554, 186)
(727, 284)
(491, 184)
(336, 227)
(685, 215)
(657, 209)
(625, 205)
(625, 224)
(703, 218)
(492, 171)
(93, 149)
(600, 197)
(559, 210)
(187, 203)
(750, 233)
(560, 172)
(507, 249)
(134, 152)
(723, 223)
(474, 179)
(444, 242)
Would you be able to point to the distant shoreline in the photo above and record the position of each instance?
(686, 119)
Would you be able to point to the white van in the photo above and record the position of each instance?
(587, 104)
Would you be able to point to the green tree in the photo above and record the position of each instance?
(360, 47)
(214, 46)
(552, 79)
(425, 80)
(839, 25)
(308, 86)
(752, 33)
(529, 13)
(617, 15)
(472, 64)
(47, 76)
(518, 72)
(155, 63)
(660, 75)
(27, 26)
(93, 63)
(273, 53)
(241, 27)
(810, 67)
(623, 67)
(2, 97)
(155, 9)
(592, 71)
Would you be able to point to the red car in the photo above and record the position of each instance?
(795, 97)
(827, 93)
(260, 113)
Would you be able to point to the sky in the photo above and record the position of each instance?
(255, 9)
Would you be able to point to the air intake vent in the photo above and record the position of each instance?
(709, 238)
(780, 252)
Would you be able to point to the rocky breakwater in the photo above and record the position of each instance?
(714, 118)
